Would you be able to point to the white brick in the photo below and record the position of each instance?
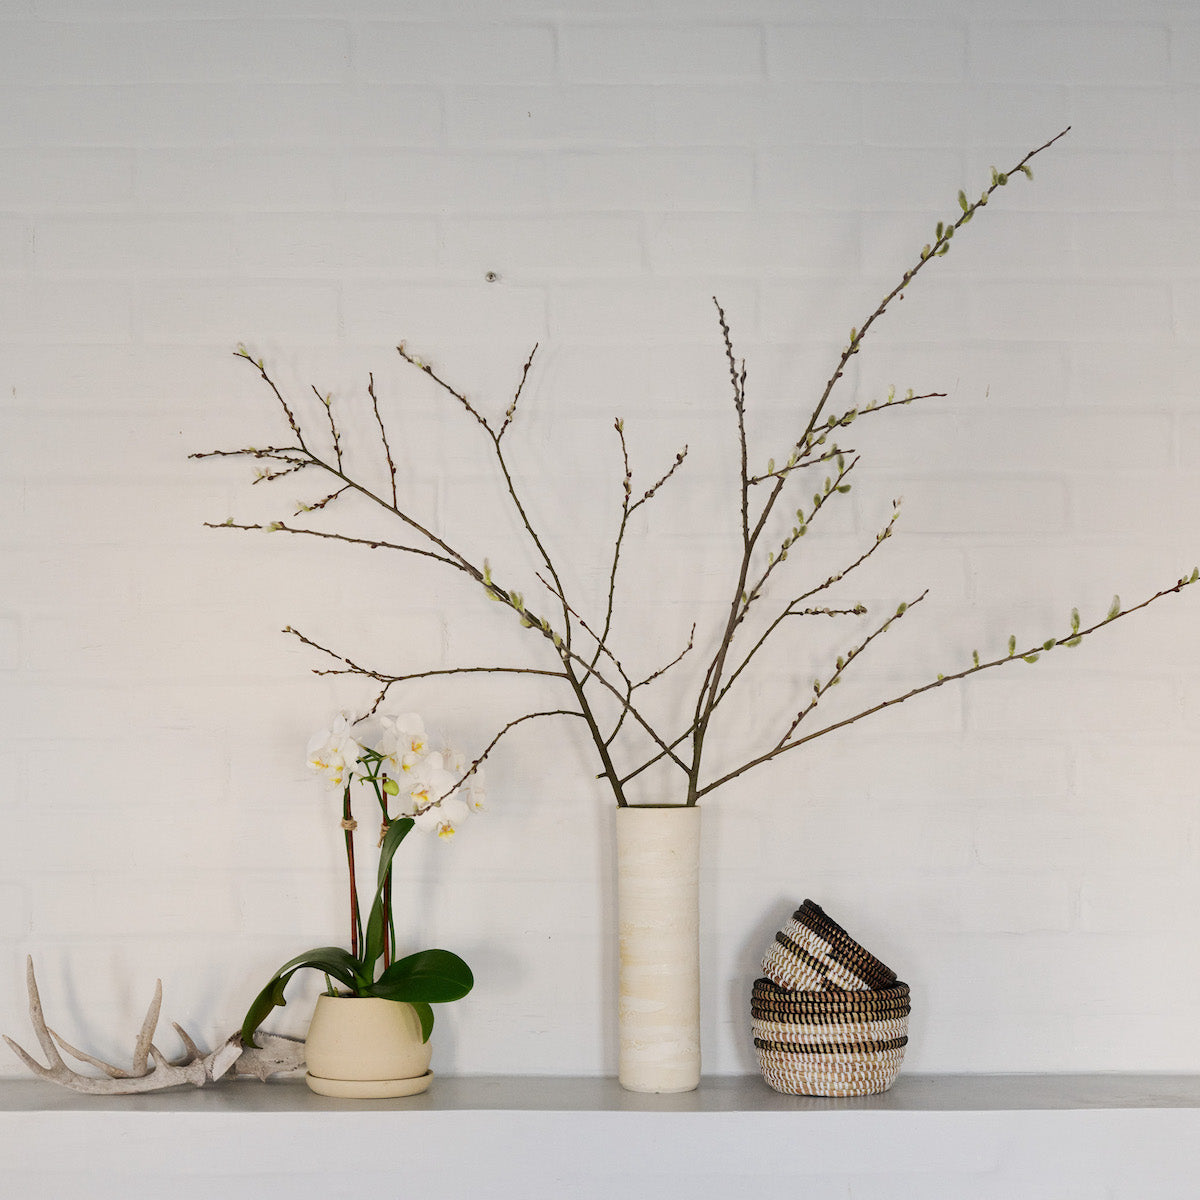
(266, 52)
(253, 313)
(868, 52)
(69, 114)
(654, 180)
(665, 311)
(125, 245)
(40, 312)
(155, 901)
(422, 315)
(54, 180)
(335, 246)
(15, 245)
(729, 245)
(1130, 374)
(442, 183)
(736, 114)
(390, 114)
(38, 51)
(543, 247)
(67, 513)
(298, 114)
(1107, 904)
(475, 52)
(1133, 247)
(10, 643)
(12, 777)
(920, 841)
(919, 114)
(1186, 304)
(846, 178)
(1143, 511)
(1132, 118)
(661, 53)
(1078, 52)
(549, 114)
(1001, 902)
(234, 179)
(14, 920)
(1066, 310)
(1082, 699)
(295, 114)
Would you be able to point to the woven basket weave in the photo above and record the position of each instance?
(828, 1018)
(812, 951)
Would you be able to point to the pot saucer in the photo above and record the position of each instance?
(369, 1089)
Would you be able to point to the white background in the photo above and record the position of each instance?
(320, 180)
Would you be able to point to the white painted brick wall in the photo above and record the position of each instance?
(321, 180)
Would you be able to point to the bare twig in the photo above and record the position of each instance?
(387, 450)
(1031, 654)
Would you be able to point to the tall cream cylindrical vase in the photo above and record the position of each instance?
(658, 924)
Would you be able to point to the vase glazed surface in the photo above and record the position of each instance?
(658, 927)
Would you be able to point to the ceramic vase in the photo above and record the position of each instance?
(658, 920)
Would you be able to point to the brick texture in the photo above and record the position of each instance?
(323, 180)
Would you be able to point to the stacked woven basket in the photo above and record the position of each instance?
(829, 1018)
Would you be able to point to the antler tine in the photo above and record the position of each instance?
(193, 1051)
(38, 1018)
(142, 1048)
(109, 1070)
(28, 1059)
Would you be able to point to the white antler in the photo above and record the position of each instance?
(231, 1058)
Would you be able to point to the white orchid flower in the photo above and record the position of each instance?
(333, 752)
(403, 742)
(426, 795)
(472, 791)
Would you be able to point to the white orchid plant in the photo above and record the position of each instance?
(435, 791)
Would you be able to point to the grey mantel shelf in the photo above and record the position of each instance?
(587, 1094)
(977, 1137)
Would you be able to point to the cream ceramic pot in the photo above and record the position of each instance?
(365, 1047)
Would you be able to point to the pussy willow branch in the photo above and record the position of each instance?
(833, 486)
(791, 610)
(843, 661)
(815, 444)
(451, 557)
(370, 543)
(627, 510)
(567, 654)
(383, 437)
(509, 483)
(737, 377)
(711, 688)
(1029, 655)
(349, 667)
(512, 408)
(625, 697)
(478, 762)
